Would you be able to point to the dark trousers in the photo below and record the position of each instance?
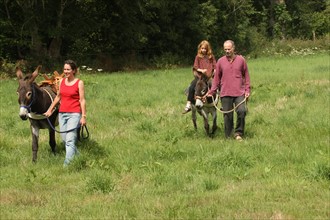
(228, 104)
(191, 91)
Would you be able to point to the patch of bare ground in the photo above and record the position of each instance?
(125, 183)
(24, 199)
(321, 82)
(277, 216)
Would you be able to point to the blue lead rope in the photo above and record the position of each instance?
(79, 127)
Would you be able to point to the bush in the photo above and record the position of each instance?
(7, 69)
(168, 61)
(294, 47)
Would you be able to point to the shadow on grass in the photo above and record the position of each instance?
(91, 148)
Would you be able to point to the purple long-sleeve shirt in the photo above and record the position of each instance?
(205, 63)
(232, 78)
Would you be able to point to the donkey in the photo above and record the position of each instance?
(34, 101)
(205, 106)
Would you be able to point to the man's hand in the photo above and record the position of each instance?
(208, 95)
(247, 95)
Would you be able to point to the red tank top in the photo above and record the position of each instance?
(70, 101)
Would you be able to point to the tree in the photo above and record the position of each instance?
(234, 22)
(309, 17)
(119, 33)
(37, 27)
(282, 20)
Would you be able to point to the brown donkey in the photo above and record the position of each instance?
(34, 101)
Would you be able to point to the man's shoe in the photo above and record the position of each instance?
(238, 138)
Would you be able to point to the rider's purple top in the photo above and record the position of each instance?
(205, 63)
(232, 78)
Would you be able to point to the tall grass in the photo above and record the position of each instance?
(144, 160)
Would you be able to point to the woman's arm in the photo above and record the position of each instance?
(82, 102)
(49, 112)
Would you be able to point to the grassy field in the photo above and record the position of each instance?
(144, 160)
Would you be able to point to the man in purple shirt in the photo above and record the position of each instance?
(233, 79)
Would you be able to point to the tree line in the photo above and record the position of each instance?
(117, 34)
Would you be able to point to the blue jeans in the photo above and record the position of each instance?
(68, 121)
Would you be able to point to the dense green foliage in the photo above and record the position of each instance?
(117, 34)
(145, 161)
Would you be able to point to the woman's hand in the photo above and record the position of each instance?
(48, 113)
(83, 121)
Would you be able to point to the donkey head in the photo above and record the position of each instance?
(200, 91)
(26, 91)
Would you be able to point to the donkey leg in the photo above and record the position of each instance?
(207, 126)
(194, 117)
(195, 124)
(52, 141)
(35, 144)
(206, 121)
(214, 116)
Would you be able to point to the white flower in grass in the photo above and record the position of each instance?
(89, 69)
(100, 70)
(83, 67)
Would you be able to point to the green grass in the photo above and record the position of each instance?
(144, 160)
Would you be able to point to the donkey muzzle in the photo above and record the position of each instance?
(23, 113)
(199, 103)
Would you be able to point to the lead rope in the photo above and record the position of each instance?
(79, 127)
(235, 106)
(35, 116)
(82, 128)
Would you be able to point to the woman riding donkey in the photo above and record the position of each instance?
(204, 67)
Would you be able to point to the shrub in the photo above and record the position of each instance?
(295, 47)
(167, 61)
(7, 69)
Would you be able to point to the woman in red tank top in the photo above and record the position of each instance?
(72, 111)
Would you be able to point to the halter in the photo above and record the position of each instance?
(28, 107)
(34, 115)
(203, 97)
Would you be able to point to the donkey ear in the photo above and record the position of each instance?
(19, 73)
(35, 73)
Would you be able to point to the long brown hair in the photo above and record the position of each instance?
(208, 47)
